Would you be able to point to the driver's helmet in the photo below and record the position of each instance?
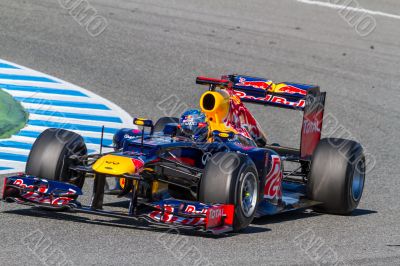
(193, 125)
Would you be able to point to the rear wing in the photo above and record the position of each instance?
(289, 95)
(260, 90)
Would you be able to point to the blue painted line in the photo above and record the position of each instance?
(76, 116)
(4, 65)
(15, 144)
(5, 168)
(42, 90)
(88, 140)
(27, 78)
(24, 146)
(13, 157)
(63, 103)
(28, 134)
(91, 140)
(97, 141)
(44, 123)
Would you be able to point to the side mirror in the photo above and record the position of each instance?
(143, 122)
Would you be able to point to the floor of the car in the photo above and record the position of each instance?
(284, 151)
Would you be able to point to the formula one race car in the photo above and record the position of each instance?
(212, 170)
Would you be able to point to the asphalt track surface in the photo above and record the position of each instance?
(154, 49)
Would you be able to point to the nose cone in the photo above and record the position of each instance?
(114, 165)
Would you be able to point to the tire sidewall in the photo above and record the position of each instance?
(331, 176)
(351, 202)
(229, 184)
(49, 156)
(241, 221)
(72, 148)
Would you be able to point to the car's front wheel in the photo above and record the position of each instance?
(50, 155)
(231, 178)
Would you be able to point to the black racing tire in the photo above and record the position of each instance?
(224, 180)
(49, 156)
(337, 176)
(160, 124)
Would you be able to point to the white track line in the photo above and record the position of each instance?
(356, 9)
(33, 83)
(21, 139)
(50, 85)
(15, 151)
(23, 72)
(65, 120)
(12, 164)
(66, 109)
(32, 140)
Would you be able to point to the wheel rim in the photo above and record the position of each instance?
(358, 181)
(248, 194)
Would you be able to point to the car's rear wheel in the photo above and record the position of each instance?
(50, 155)
(232, 178)
(337, 176)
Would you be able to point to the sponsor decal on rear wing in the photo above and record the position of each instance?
(263, 91)
(312, 124)
(273, 100)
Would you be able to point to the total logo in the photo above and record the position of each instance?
(311, 127)
(215, 213)
(206, 156)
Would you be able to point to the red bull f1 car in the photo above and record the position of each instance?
(217, 181)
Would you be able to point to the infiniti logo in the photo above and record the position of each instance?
(126, 136)
(206, 157)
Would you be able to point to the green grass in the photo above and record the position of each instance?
(13, 116)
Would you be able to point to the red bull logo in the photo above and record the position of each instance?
(273, 183)
(271, 98)
(283, 88)
(255, 84)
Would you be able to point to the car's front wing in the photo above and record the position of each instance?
(33, 191)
